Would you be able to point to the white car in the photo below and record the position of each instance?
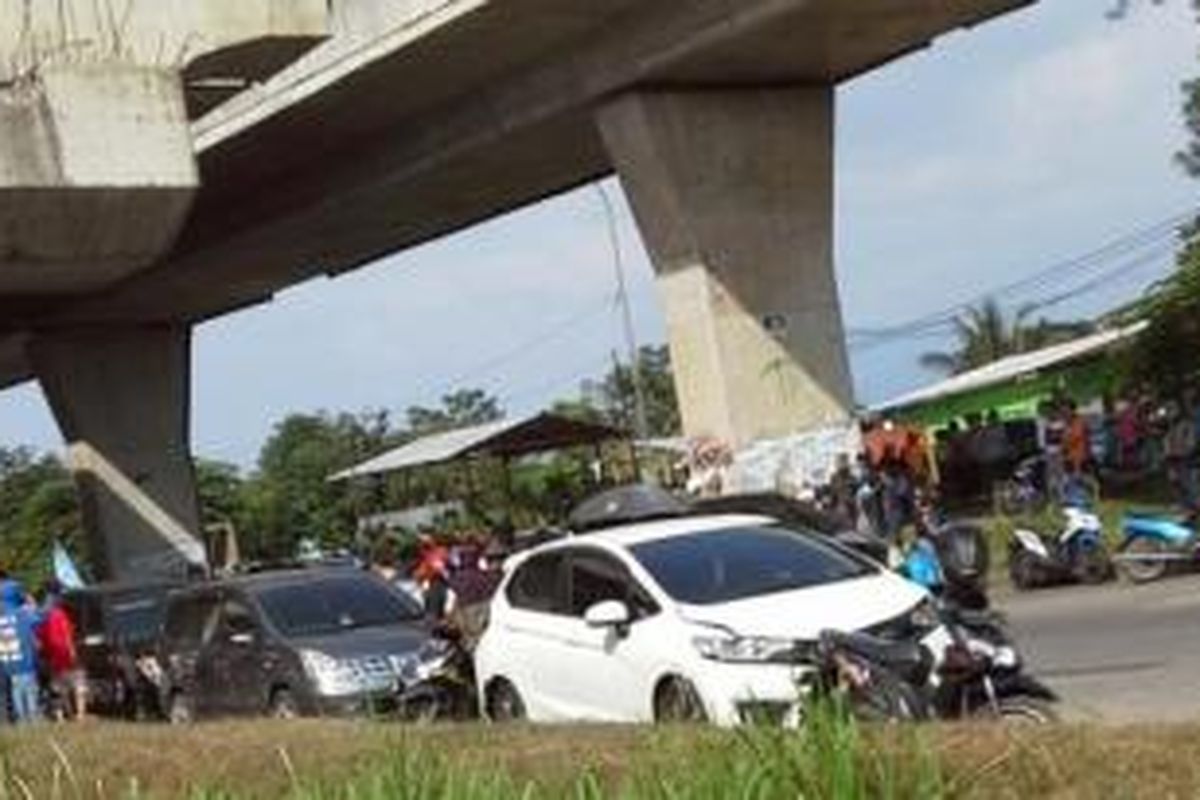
(700, 618)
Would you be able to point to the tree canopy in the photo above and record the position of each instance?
(985, 334)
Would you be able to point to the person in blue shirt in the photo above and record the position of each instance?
(19, 619)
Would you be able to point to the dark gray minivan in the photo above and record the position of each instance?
(286, 644)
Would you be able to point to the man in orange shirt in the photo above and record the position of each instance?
(1076, 441)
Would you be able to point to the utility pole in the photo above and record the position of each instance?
(639, 395)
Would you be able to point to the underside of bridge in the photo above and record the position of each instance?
(161, 176)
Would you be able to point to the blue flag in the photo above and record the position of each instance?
(64, 568)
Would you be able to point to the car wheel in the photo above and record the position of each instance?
(677, 702)
(283, 705)
(504, 703)
(180, 710)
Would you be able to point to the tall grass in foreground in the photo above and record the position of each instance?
(830, 759)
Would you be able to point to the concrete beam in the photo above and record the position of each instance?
(97, 167)
(242, 40)
(121, 397)
(733, 192)
(96, 175)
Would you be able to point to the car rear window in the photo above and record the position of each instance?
(328, 605)
(136, 619)
(718, 566)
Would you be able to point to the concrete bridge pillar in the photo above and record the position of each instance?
(121, 397)
(733, 192)
(97, 177)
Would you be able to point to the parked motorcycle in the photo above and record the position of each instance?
(950, 559)
(438, 684)
(1024, 492)
(1076, 554)
(1153, 543)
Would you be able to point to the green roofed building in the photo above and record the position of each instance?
(1083, 370)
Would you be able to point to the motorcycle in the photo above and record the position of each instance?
(437, 684)
(981, 674)
(949, 559)
(1024, 491)
(874, 679)
(1077, 554)
(1153, 543)
(978, 674)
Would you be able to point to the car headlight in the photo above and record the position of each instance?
(332, 677)
(925, 616)
(745, 649)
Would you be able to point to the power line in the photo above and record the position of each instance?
(559, 330)
(1040, 280)
(1122, 271)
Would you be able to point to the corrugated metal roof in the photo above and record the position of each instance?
(1014, 367)
(505, 438)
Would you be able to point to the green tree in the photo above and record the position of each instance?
(614, 398)
(1166, 353)
(984, 334)
(38, 506)
(221, 493)
(460, 409)
(290, 498)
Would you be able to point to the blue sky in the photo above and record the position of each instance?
(984, 159)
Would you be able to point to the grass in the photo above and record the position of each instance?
(830, 760)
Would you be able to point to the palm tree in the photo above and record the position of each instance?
(984, 335)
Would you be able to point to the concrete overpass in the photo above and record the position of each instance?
(414, 119)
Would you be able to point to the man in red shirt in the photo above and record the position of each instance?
(56, 643)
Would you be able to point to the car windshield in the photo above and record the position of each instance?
(328, 605)
(718, 566)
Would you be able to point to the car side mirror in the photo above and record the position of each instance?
(244, 638)
(608, 614)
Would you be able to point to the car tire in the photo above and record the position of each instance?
(283, 705)
(504, 703)
(180, 710)
(676, 702)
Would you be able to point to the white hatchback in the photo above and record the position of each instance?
(699, 618)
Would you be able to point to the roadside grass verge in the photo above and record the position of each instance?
(830, 760)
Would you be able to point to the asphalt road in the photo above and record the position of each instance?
(1117, 652)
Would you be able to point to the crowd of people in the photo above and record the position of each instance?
(900, 469)
(40, 670)
(452, 578)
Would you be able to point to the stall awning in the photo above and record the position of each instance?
(1015, 368)
(504, 439)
